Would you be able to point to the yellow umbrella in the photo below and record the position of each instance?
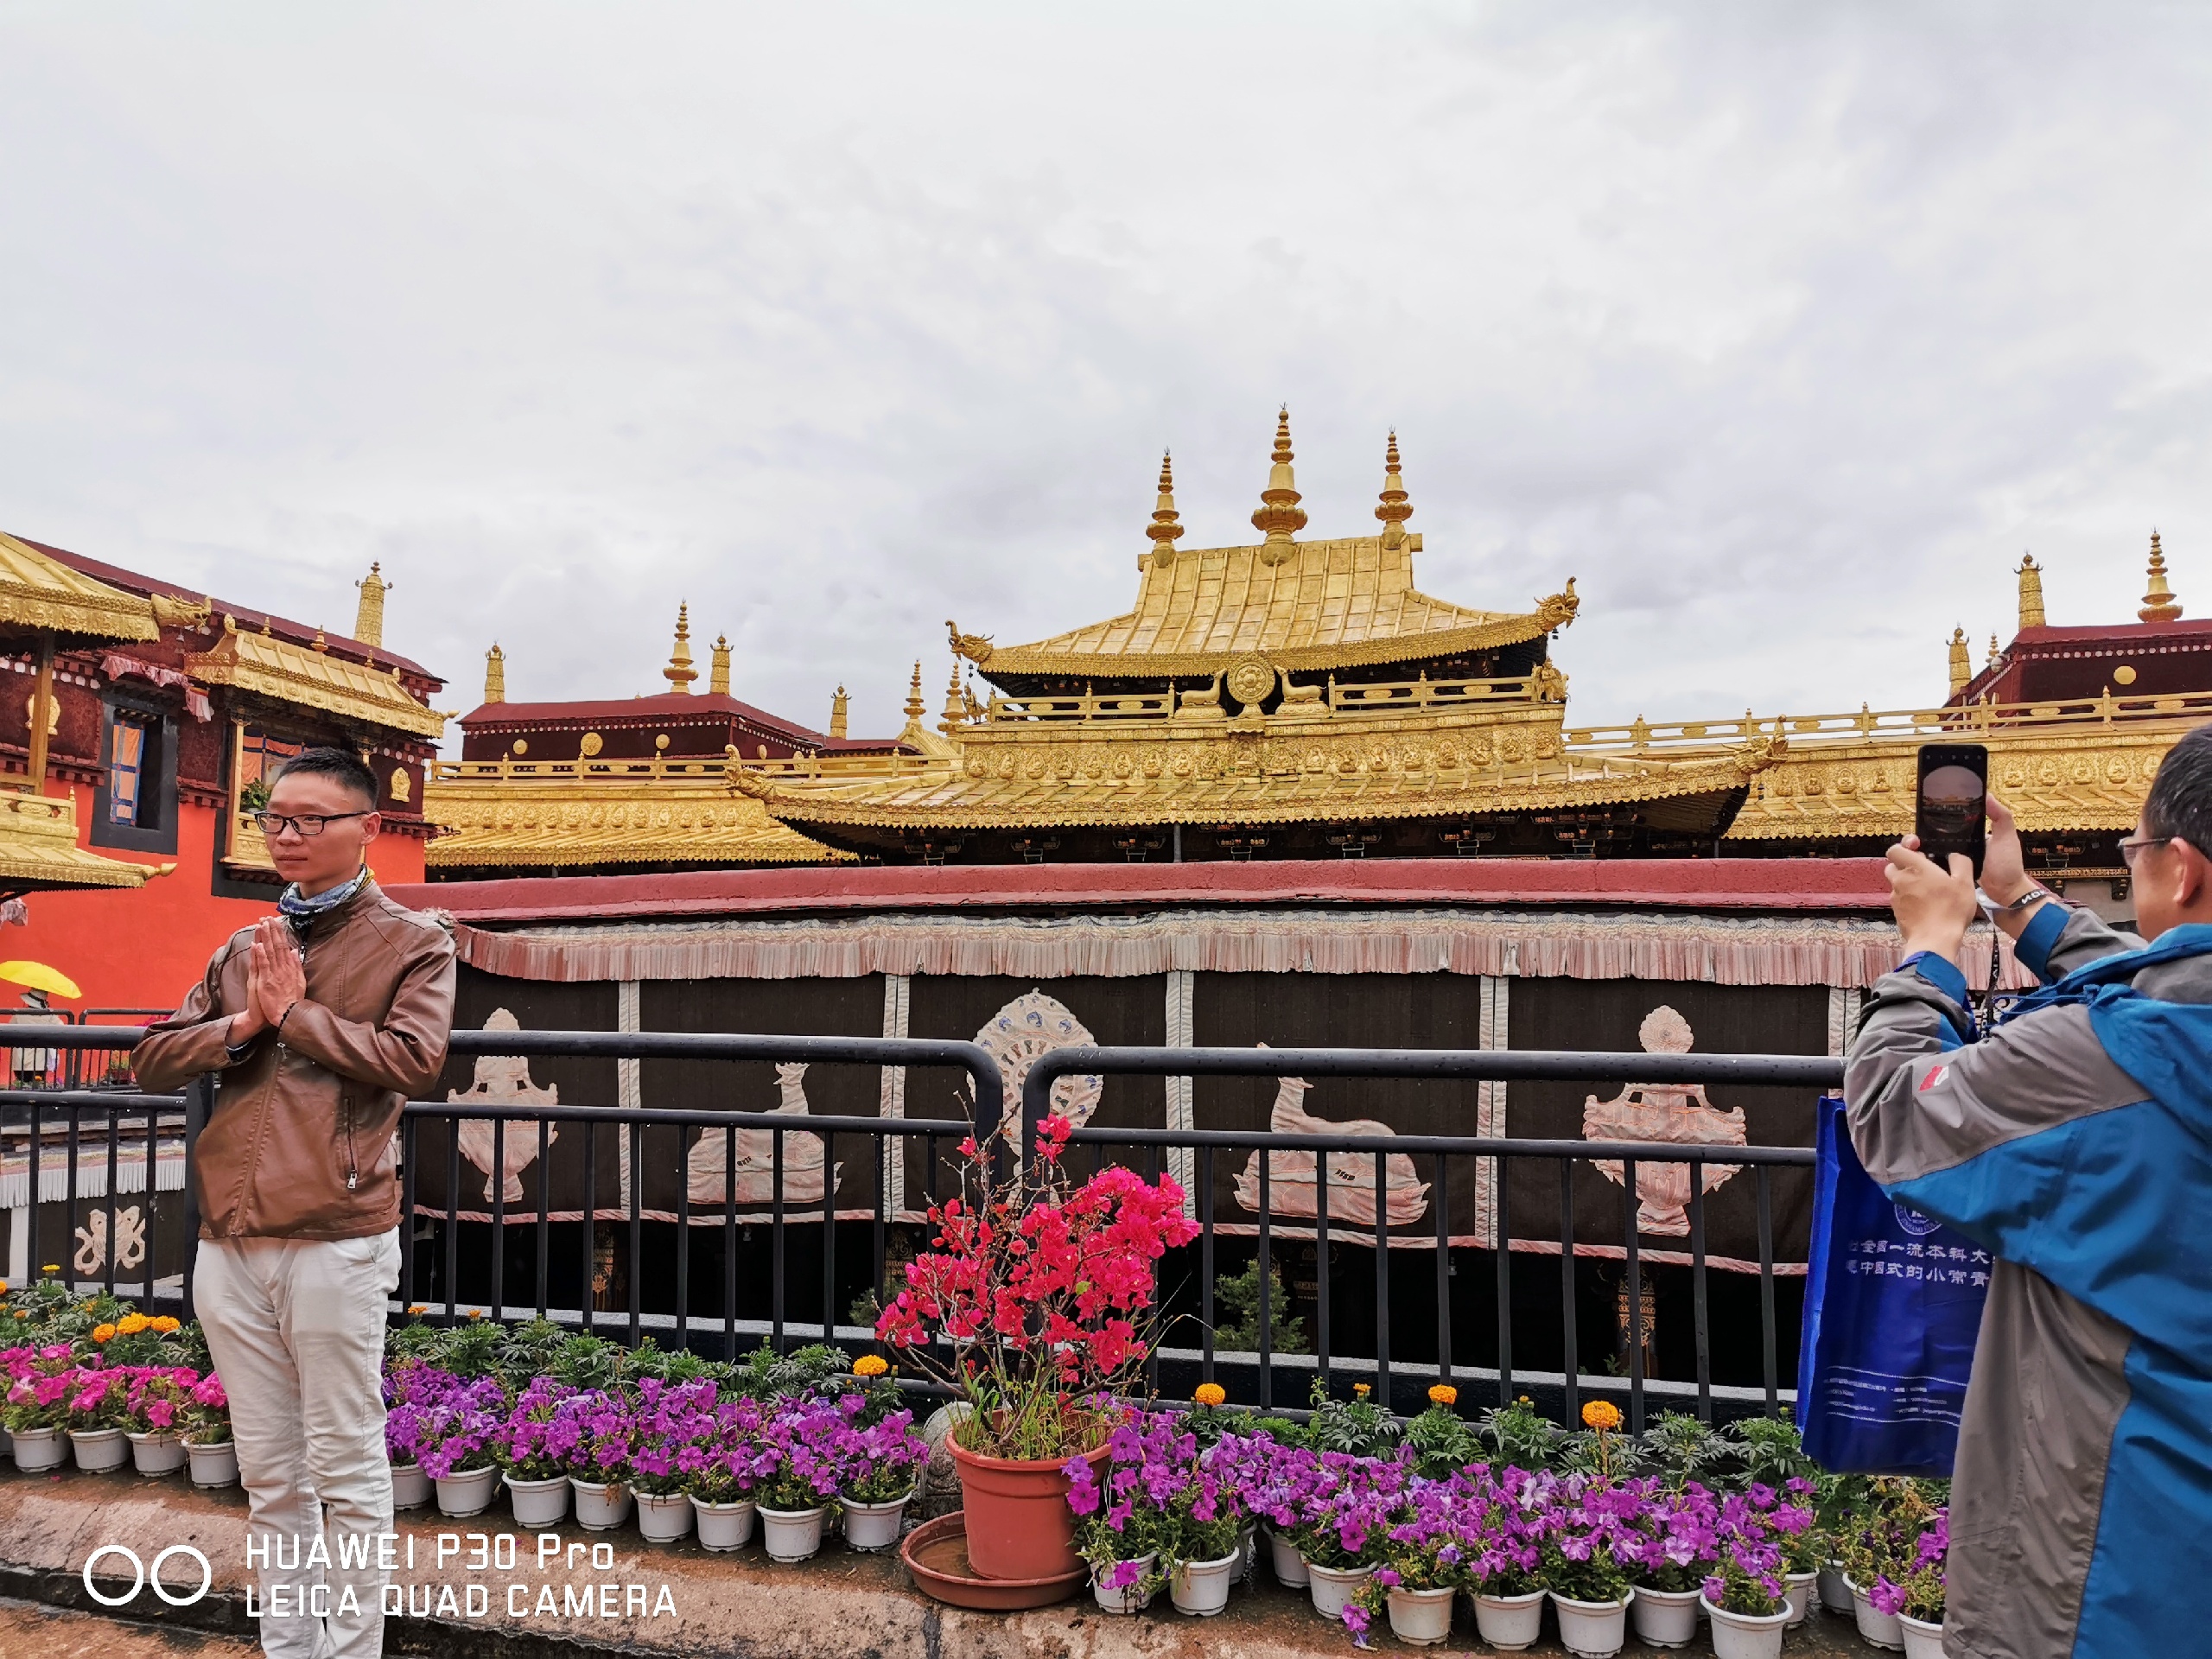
(39, 977)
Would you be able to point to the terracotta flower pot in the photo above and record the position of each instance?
(1019, 1523)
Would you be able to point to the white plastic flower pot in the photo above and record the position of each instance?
(1201, 1588)
(38, 1450)
(872, 1526)
(1421, 1618)
(1133, 1598)
(1289, 1565)
(723, 1527)
(601, 1505)
(1666, 1618)
(1510, 1623)
(1798, 1586)
(1835, 1590)
(1746, 1636)
(538, 1504)
(100, 1449)
(663, 1517)
(792, 1534)
(213, 1464)
(467, 1491)
(1881, 1629)
(410, 1487)
(157, 1452)
(1922, 1639)
(1593, 1630)
(1331, 1587)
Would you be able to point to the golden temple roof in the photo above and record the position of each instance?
(508, 813)
(39, 850)
(319, 679)
(1330, 604)
(42, 593)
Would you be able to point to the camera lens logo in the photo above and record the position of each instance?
(142, 1575)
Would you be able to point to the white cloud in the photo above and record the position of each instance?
(1783, 331)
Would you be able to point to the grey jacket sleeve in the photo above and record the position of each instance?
(2086, 938)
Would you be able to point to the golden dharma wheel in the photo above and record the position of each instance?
(1250, 679)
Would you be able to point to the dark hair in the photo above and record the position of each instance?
(340, 765)
(2180, 802)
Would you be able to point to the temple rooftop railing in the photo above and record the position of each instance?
(2022, 718)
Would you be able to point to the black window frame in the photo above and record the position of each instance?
(157, 782)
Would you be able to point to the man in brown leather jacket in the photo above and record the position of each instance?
(320, 1022)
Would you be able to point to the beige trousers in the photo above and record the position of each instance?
(296, 1328)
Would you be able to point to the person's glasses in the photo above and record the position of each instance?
(2135, 846)
(308, 823)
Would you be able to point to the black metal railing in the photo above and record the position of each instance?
(452, 1245)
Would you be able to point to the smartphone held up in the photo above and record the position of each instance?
(1951, 802)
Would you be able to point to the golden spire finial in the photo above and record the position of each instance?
(368, 617)
(1992, 651)
(495, 674)
(679, 673)
(718, 672)
(838, 706)
(2030, 575)
(2159, 604)
(1396, 508)
(1165, 527)
(1279, 515)
(1961, 665)
(955, 706)
(915, 708)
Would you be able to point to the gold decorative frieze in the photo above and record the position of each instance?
(500, 814)
(315, 680)
(43, 594)
(39, 849)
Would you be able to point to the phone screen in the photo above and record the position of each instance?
(1949, 808)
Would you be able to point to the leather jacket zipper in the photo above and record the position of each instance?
(353, 1170)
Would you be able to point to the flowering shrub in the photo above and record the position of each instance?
(1040, 1288)
(159, 1400)
(40, 1383)
(100, 1398)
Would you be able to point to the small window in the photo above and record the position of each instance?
(133, 798)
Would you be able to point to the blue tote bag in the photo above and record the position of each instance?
(1892, 1306)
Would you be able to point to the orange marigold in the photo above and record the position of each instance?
(870, 1365)
(1363, 1389)
(168, 1324)
(1601, 1414)
(102, 1332)
(1444, 1394)
(1210, 1394)
(131, 1324)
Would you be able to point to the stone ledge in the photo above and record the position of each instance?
(842, 1602)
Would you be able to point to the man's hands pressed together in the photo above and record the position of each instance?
(276, 978)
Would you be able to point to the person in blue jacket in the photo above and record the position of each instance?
(2074, 1142)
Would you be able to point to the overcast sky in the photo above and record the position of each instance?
(1785, 328)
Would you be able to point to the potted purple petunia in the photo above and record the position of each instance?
(1345, 1514)
(1432, 1535)
(159, 1402)
(1745, 1597)
(1121, 1515)
(1204, 1537)
(412, 1387)
(593, 1435)
(881, 1461)
(1588, 1563)
(536, 1478)
(99, 1406)
(1915, 1597)
(1512, 1517)
(808, 1439)
(669, 1416)
(1677, 1547)
(454, 1445)
(722, 1463)
(37, 1412)
(207, 1440)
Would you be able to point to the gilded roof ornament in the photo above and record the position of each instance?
(955, 706)
(1396, 506)
(2030, 575)
(839, 706)
(976, 647)
(718, 667)
(2159, 604)
(368, 616)
(1279, 516)
(1962, 663)
(679, 673)
(495, 673)
(37, 592)
(1993, 653)
(1165, 528)
(915, 708)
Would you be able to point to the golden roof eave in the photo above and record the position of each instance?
(39, 850)
(1343, 603)
(555, 817)
(46, 595)
(276, 668)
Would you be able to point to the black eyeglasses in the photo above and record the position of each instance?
(308, 823)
